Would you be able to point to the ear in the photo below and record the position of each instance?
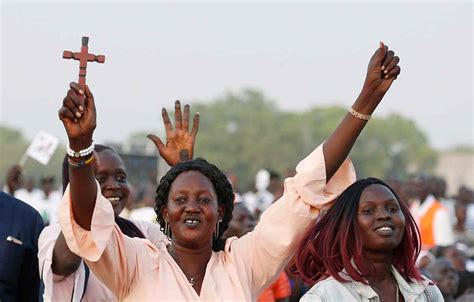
(164, 213)
(221, 210)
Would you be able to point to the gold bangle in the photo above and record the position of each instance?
(358, 115)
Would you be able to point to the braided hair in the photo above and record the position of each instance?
(222, 186)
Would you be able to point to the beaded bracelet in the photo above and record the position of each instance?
(80, 153)
(359, 115)
(81, 163)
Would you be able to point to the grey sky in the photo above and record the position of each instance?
(299, 54)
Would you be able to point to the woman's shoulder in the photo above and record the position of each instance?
(424, 289)
(328, 289)
(431, 292)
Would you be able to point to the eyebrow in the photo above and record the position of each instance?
(376, 201)
(119, 170)
(184, 190)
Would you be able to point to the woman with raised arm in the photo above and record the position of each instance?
(194, 204)
(65, 276)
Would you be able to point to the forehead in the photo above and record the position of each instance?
(376, 192)
(191, 180)
(108, 159)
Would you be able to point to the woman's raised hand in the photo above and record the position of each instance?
(383, 69)
(78, 115)
(179, 142)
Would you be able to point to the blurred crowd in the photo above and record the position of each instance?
(446, 223)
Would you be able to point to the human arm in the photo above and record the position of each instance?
(383, 69)
(64, 262)
(319, 179)
(57, 287)
(78, 114)
(114, 258)
(110, 255)
(179, 145)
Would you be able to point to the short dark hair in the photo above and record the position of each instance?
(334, 241)
(222, 186)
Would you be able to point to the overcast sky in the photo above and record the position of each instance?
(299, 54)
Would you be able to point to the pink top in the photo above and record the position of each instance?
(135, 269)
(72, 287)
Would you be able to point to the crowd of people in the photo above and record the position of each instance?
(318, 235)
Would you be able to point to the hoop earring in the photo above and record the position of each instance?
(216, 231)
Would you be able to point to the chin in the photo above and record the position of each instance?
(117, 211)
(383, 246)
(190, 241)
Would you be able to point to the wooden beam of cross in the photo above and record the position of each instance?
(83, 57)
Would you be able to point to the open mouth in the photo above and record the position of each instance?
(192, 222)
(385, 230)
(114, 199)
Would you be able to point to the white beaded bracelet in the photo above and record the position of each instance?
(81, 153)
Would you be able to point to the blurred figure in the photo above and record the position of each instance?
(268, 184)
(399, 187)
(461, 233)
(20, 226)
(466, 197)
(264, 197)
(438, 188)
(14, 180)
(234, 181)
(458, 261)
(469, 297)
(146, 209)
(243, 222)
(431, 216)
(28, 193)
(425, 259)
(250, 198)
(445, 277)
(47, 203)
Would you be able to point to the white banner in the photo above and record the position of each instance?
(43, 147)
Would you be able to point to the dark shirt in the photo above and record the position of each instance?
(466, 280)
(20, 227)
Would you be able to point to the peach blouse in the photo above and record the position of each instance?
(137, 270)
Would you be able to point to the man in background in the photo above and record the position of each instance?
(20, 226)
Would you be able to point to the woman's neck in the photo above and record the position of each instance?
(382, 263)
(382, 280)
(192, 261)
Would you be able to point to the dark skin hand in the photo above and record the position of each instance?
(64, 261)
(383, 69)
(179, 142)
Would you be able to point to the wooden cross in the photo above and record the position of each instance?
(84, 56)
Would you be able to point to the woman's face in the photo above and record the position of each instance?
(192, 210)
(380, 219)
(110, 172)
